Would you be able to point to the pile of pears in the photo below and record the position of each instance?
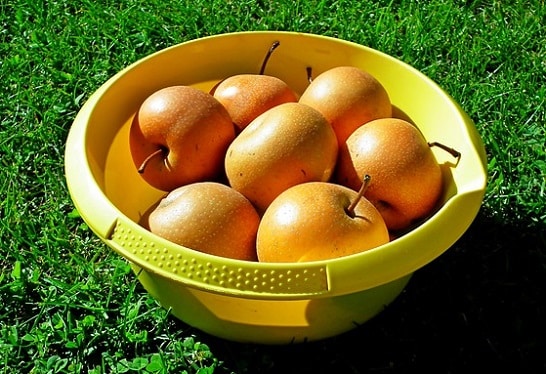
(254, 171)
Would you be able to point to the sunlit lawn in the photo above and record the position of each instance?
(69, 304)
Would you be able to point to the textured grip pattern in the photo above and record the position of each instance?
(188, 266)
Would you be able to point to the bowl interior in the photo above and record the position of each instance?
(111, 195)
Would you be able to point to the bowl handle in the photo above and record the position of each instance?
(212, 273)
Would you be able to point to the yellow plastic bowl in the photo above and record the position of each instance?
(259, 302)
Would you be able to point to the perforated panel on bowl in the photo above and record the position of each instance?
(191, 267)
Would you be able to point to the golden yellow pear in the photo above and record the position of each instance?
(348, 97)
(289, 144)
(318, 221)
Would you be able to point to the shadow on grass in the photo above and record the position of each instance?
(482, 304)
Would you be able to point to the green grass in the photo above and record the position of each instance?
(69, 304)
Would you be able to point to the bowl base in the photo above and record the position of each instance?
(256, 321)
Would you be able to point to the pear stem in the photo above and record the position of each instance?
(365, 183)
(449, 150)
(142, 167)
(275, 44)
(309, 70)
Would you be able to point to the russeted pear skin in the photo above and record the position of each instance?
(192, 129)
(406, 179)
(289, 144)
(246, 96)
(310, 222)
(208, 217)
(348, 97)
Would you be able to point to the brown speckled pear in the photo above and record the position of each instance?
(178, 136)
(208, 217)
(406, 179)
(246, 96)
(348, 97)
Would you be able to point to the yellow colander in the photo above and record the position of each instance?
(263, 302)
